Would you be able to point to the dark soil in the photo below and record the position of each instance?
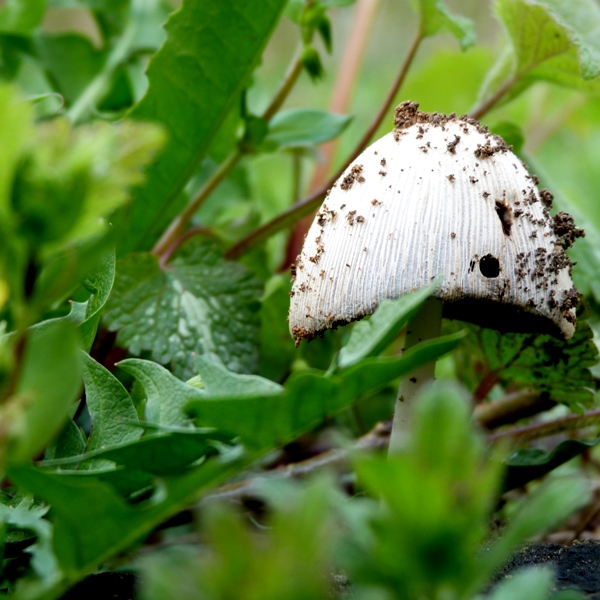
(576, 567)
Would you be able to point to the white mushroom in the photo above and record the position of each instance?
(439, 197)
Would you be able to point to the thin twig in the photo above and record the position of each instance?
(310, 203)
(541, 430)
(488, 104)
(168, 242)
(376, 439)
(511, 408)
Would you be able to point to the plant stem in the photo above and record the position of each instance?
(511, 408)
(180, 223)
(311, 202)
(540, 430)
(168, 241)
(425, 325)
(490, 102)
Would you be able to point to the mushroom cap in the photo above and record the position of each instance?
(439, 197)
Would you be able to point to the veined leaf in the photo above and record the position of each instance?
(114, 419)
(435, 16)
(540, 362)
(198, 304)
(550, 40)
(211, 50)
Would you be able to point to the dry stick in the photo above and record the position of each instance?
(172, 238)
(540, 430)
(376, 439)
(511, 408)
(310, 203)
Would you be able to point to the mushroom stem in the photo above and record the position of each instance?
(425, 325)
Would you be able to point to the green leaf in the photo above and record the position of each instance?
(21, 17)
(92, 523)
(165, 394)
(114, 419)
(372, 335)
(302, 127)
(160, 454)
(435, 17)
(100, 283)
(525, 465)
(533, 583)
(211, 50)
(70, 60)
(540, 362)
(198, 304)
(218, 382)
(48, 386)
(550, 40)
(371, 374)
(69, 442)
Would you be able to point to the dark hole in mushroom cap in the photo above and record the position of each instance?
(489, 266)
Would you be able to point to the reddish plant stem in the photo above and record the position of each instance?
(169, 241)
(310, 203)
(485, 386)
(490, 102)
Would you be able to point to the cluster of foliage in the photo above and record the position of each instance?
(145, 207)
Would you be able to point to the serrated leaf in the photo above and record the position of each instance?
(525, 465)
(48, 387)
(114, 419)
(435, 16)
(550, 40)
(211, 50)
(198, 304)
(92, 523)
(302, 127)
(370, 336)
(541, 362)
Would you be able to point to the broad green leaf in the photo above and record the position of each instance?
(70, 60)
(435, 16)
(92, 523)
(211, 50)
(159, 454)
(198, 304)
(165, 394)
(539, 362)
(525, 465)
(114, 419)
(21, 17)
(302, 127)
(218, 382)
(69, 442)
(372, 335)
(48, 386)
(550, 40)
(371, 374)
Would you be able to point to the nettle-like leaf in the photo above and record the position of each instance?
(435, 17)
(198, 304)
(540, 362)
(550, 40)
(196, 77)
